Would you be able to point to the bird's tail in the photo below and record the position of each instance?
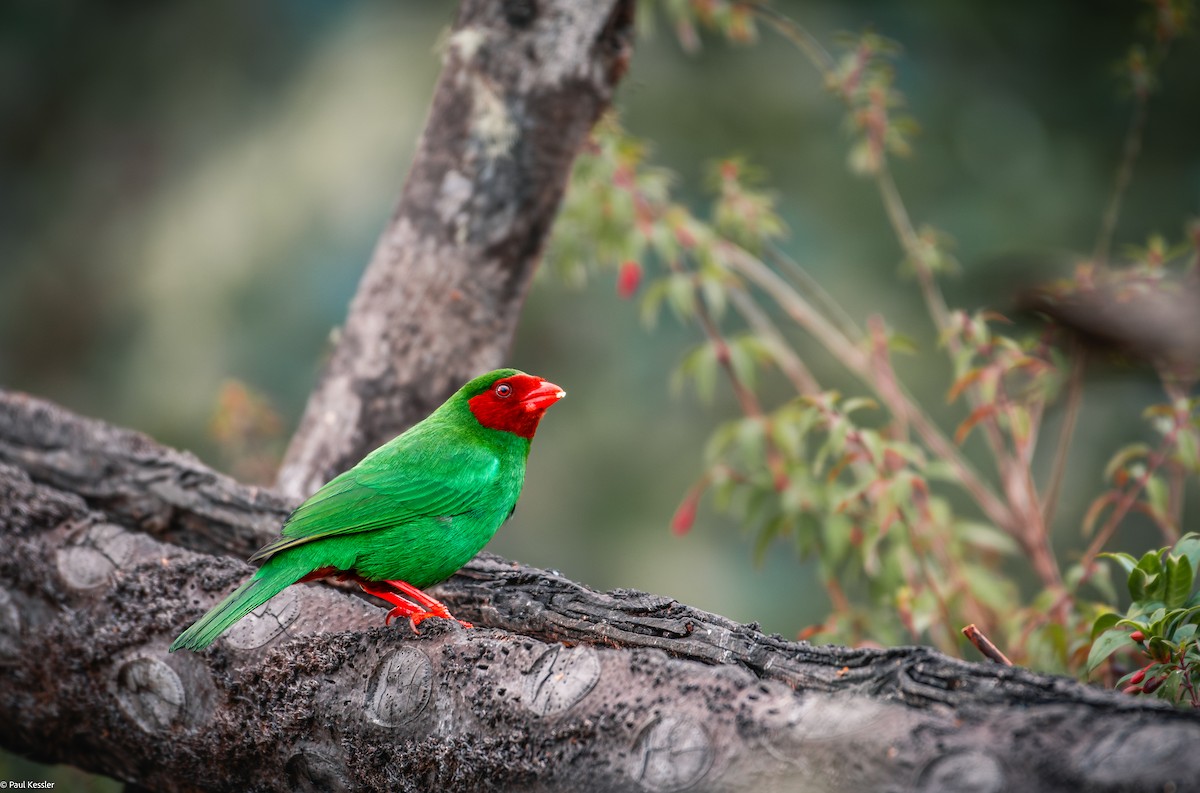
(267, 582)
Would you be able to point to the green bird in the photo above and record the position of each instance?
(411, 513)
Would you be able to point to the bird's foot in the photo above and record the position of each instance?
(416, 619)
(418, 609)
(432, 606)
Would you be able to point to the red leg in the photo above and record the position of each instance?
(417, 612)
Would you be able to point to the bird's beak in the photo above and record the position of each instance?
(542, 397)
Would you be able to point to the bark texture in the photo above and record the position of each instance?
(560, 687)
(522, 84)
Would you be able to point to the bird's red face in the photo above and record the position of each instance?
(515, 404)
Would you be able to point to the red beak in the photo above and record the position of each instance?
(542, 397)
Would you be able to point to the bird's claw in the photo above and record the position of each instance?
(416, 619)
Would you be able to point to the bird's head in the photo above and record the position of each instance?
(510, 400)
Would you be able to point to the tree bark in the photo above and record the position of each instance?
(522, 84)
(559, 688)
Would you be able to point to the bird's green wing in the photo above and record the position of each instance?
(391, 488)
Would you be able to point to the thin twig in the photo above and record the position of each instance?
(902, 224)
(985, 646)
(813, 290)
(1153, 462)
(1058, 468)
(795, 33)
(1130, 152)
(785, 358)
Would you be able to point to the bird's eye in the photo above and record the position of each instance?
(503, 390)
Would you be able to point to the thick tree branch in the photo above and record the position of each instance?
(522, 85)
(562, 687)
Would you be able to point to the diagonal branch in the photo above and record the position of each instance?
(521, 87)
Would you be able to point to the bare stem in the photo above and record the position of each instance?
(902, 224)
(797, 34)
(1127, 499)
(1177, 482)
(1131, 150)
(985, 646)
(1058, 468)
(745, 397)
(785, 358)
(811, 289)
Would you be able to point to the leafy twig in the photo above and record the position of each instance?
(1153, 462)
(857, 361)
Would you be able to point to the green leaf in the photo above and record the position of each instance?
(986, 537)
(1181, 617)
(837, 530)
(681, 296)
(1180, 582)
(942, 471)
(1106, 621)
(855, 404)
(1151, 562)
(1189, 546)
(1124, 456)
(714, 295)
(1187, 450)
(1158, 495)
(653, 296)
(905, 345)
(1184, 633)
(700, 365)
(1169, 690)
(773, 528)
(1159, 648)
(1127, 562)
(1137, 583)
(1109, 642)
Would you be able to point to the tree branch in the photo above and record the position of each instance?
(561, 688)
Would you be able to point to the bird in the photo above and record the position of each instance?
(410, 513)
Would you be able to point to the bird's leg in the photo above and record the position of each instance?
(433, 606)
(424, 608)
(403, 607)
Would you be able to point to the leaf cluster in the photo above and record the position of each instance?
(1159, 628)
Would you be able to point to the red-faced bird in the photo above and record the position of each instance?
(411, 513)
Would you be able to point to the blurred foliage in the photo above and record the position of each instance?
(248, 433)
(189, 192)
(873, 503)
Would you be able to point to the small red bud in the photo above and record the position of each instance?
(685, 515)
(1153, 683)
(1138, 676)
(1138, 636)
(629, 278)
(1135, 689)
